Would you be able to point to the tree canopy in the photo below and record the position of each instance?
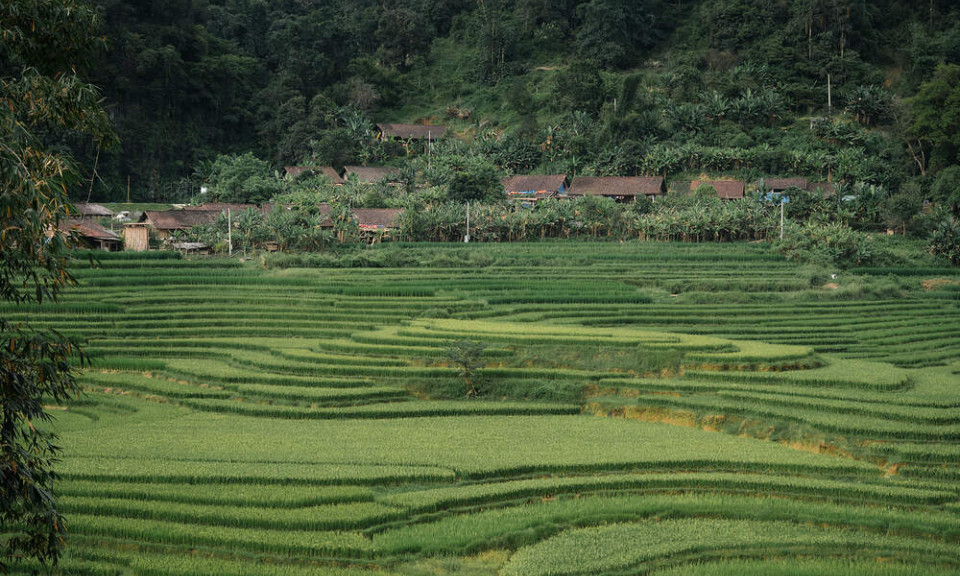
(43, 104)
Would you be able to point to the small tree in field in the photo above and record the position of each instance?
(465, 355)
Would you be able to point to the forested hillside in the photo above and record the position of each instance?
(864, 93)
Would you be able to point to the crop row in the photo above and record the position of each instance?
(857, 425)
(382, 411)
(620, 547)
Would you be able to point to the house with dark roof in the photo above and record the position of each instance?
(372, 174)
(535, 187)
(726, 189)
(405, 132)
(620, 188)
(329, 171)
(166, 222)
(373, 219)
(779, 185)
(91, 234)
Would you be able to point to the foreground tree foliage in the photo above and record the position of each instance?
(42, 101)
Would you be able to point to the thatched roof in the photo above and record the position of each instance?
(332, 175)
(220, 207)
(84, 209)
(781, 184)
(87, 229)
(411, 131)
(726, 189)
(179, 219)
(826, 189)
(535, 185)
(371, 174)
(377, 218)
(617, 186)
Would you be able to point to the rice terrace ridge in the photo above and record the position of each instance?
(480, 288)
(645, 409)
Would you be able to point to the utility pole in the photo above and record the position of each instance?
(829, 96)
(781, 216)
(467, 237)
(229, 233)
(128, 188)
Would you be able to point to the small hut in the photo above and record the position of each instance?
(136, 237)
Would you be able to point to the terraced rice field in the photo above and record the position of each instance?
(647, 409)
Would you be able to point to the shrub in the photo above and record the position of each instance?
(828, 244)
(945, 240)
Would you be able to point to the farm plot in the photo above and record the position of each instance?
(643, 409)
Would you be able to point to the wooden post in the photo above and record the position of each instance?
(829, 95)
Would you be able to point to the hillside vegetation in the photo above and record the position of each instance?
(863, 93)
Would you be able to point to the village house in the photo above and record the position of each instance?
(372, 174)
(373, 220)
(407, 132)
(91, 234)
(166, 222)
(778, 185)
(620, 188)
(726, 189)
(533, 188)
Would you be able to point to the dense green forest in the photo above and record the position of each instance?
(862, 93)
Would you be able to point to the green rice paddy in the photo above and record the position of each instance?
(646, 408)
